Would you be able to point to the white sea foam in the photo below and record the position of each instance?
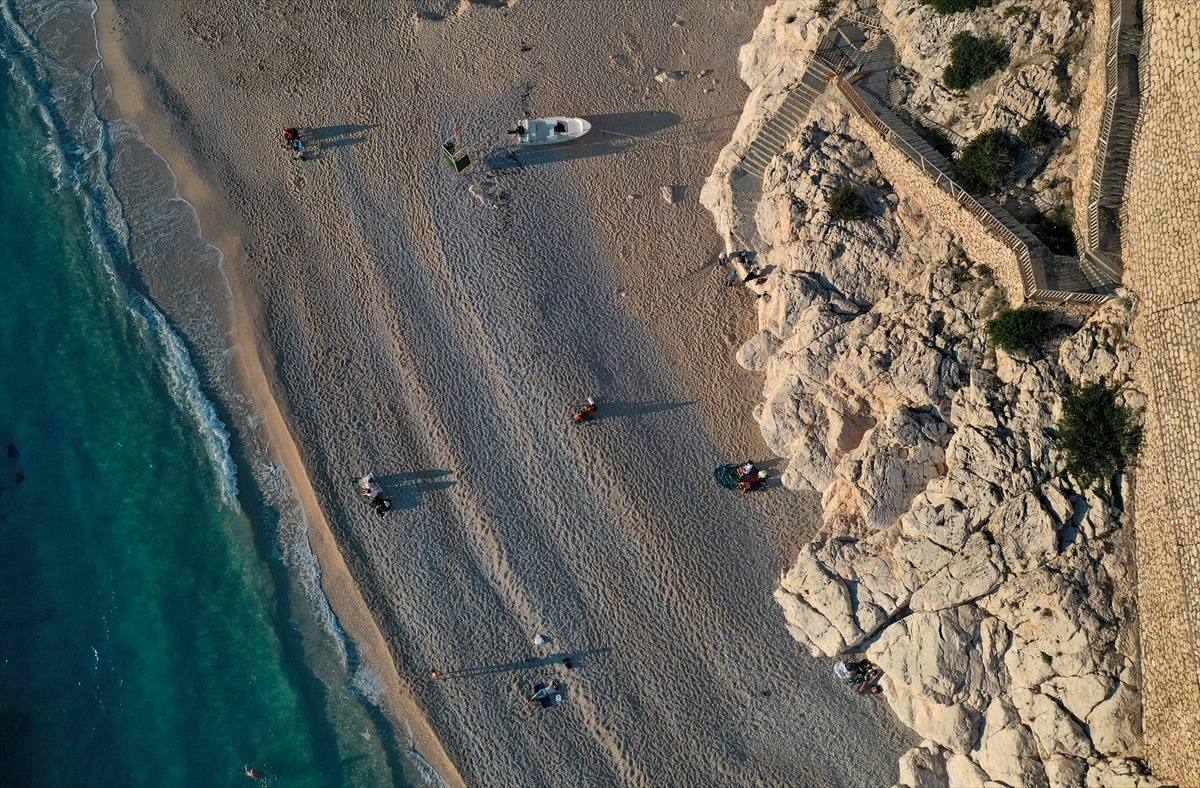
(185, 387)
(58, 51)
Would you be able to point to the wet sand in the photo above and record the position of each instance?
(409, 330)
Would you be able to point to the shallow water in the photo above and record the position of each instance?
(154, 627)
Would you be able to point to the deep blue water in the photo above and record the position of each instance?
(151, 631)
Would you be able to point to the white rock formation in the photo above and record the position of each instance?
(994, 593)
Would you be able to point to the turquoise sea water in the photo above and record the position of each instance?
(151, 632)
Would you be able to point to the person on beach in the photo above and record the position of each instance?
(586, 413)
(298, 146)
(433, 674)
(290, 136)
(871, 681)
(753, 273)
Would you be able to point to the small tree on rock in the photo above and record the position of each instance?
(972, 60)
(846, 206)
(985, 162)
(1022, 330)
(1096, 434)
(1037, 131)
(954, 6)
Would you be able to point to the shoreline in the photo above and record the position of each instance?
(457, 582)
(223, 229)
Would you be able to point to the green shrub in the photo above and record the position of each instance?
(1019, 329)
(1096, 434)
(972, 60)
(954, 6)
(847, 206)
(1013, 10)
(1054, 229)
(1037, 131)
(825, 8)
(985, 162)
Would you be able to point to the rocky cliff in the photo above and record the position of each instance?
(996, 593)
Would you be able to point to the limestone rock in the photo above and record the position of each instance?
(942, 670)
(754, 354)
(972, 573)
(894, 462)
(1026, 532)
(841, 591)
(1115, 724)
(1007, 751)
(923, 767)
(1080, 694)
(1063, 771)
(988, 587)
(1057, 733)
(1120, 773)
(962, 772)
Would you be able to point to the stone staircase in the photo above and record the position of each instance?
(747, 177)
(1101, 258)
(872, 84)
(869, 58)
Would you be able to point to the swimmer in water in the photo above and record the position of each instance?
(254, 774)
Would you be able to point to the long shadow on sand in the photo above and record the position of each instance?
(339, 136)
(529, 664)
(634, 409)
(407, 489)
(610, 134)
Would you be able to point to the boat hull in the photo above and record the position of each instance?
(543, 131)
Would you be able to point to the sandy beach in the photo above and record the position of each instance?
(408, 329)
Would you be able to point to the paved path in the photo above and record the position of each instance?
(1162, 263)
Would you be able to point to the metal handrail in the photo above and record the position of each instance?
(832, 57)
(1092, 238)
(1029, 278)
(866, 20)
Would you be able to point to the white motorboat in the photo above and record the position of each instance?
(547, 131)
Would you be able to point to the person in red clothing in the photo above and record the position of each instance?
(586, 413)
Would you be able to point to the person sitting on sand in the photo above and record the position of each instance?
(291, 135)
(871, 680)
(586, 413)
(433, 674)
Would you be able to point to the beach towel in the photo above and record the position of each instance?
(727, 476)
